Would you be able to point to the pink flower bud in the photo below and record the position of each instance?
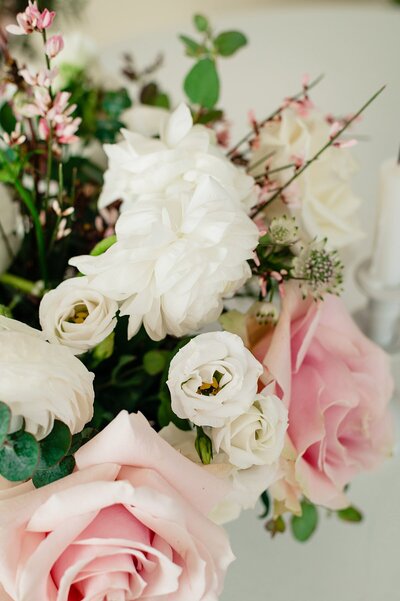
(46, 19)
(54, 46)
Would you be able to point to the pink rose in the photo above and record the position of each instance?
(129, 524)
(337, 386)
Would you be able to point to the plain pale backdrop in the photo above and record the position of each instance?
(357, 46)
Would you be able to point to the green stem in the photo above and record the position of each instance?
(18, 283)
(258, 208)
(27, 200)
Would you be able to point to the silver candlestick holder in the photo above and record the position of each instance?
(380, 318)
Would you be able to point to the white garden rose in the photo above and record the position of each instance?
(11, 228)
(172, 164)
(41, 382)
(256, 437)
(213, 379)
(321, 198)
(76, 315)
(175, 259)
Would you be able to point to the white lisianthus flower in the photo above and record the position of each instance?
(256, 437)
(76, 315)
(175, 259)
(213, 379)
(321, 199)
(41, 382)
(174, 163)
(11, 229)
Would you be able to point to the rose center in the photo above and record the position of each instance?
(79, 314)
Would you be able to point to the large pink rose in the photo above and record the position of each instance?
(129, 524)
(337, 386)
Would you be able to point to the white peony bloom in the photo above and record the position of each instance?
(321, 198)
(11, 229)
(76, 315)
(41, 382)
(213, 379)
(256, 437)
(175, 162)
(175, 259)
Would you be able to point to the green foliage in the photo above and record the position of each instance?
(153, 96)
(103, 245)
(350, 514)
(7, 119)
(19, 456)
(193, 48)
(201, 23)
(265, 500)
(55, 446)
(304, 525)
(202, 83)
(104, 350)
(60, 470)
(155, 361)
(5, 419)
(203, 446)
(229, 42)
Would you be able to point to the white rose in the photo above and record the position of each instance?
(321, 198)
(175, 259)
(76, 315)
(41, 382)
(213, 379)
(11, 229)
(178, 160)
(255, 437)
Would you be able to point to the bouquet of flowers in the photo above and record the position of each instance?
(172, 344)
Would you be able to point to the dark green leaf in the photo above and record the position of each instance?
(193, 48)
(165, 414)
(19, 456)
(304, 525)
(116, 102)
(201, 23)
(162, 100)
(202, 83)
(209, 116)
(104, 350)
(62, 469)
(5, 418)
(228, 42)
(7, 119)
(265, 500)
(81, 438)
(155, 361)
(350, 514)
(55, 446)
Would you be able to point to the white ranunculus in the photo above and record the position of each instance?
(175, 259)
(76, 315)
(41, 382)
(246, 485)
(175, 162)
(256, 437)
(11, 229)
(321, 198)
(213, 379)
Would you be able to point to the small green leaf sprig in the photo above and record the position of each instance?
(202, 83)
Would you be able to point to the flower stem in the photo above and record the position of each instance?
(258, 208)
(18, 283)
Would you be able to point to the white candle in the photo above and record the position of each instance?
(385, 265)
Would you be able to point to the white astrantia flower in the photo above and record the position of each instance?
(213, 379)
(176, 257)
(11, 229)
(256, 437)
(76, 315)
(321, 198)
(42, 382)
(173, 163)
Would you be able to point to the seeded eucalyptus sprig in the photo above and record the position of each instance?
(202, 84)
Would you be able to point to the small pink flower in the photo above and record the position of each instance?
(43, 129)
(345, 143)
(32, 20)
(54, 46)
(43, 78)
(16, 137)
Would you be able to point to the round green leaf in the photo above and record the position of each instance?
(19, 456)
(350, 514)
(202, 83)
(154, 362)
(5, 418)
(200, 22)
(304, 525)
(229, 42)
(55, 446)
(62, 469)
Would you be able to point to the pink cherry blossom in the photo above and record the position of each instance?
(32, 20)
(54, 46)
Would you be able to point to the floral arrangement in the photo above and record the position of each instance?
(173, 347)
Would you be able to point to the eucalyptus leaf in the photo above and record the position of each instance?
(229, 42)
(62, 469)
(350, 514)
(19, 456)
(202, 83)
(5, 419)
(304, 525)
(55, 446)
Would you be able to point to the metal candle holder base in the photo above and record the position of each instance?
(380, 319)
